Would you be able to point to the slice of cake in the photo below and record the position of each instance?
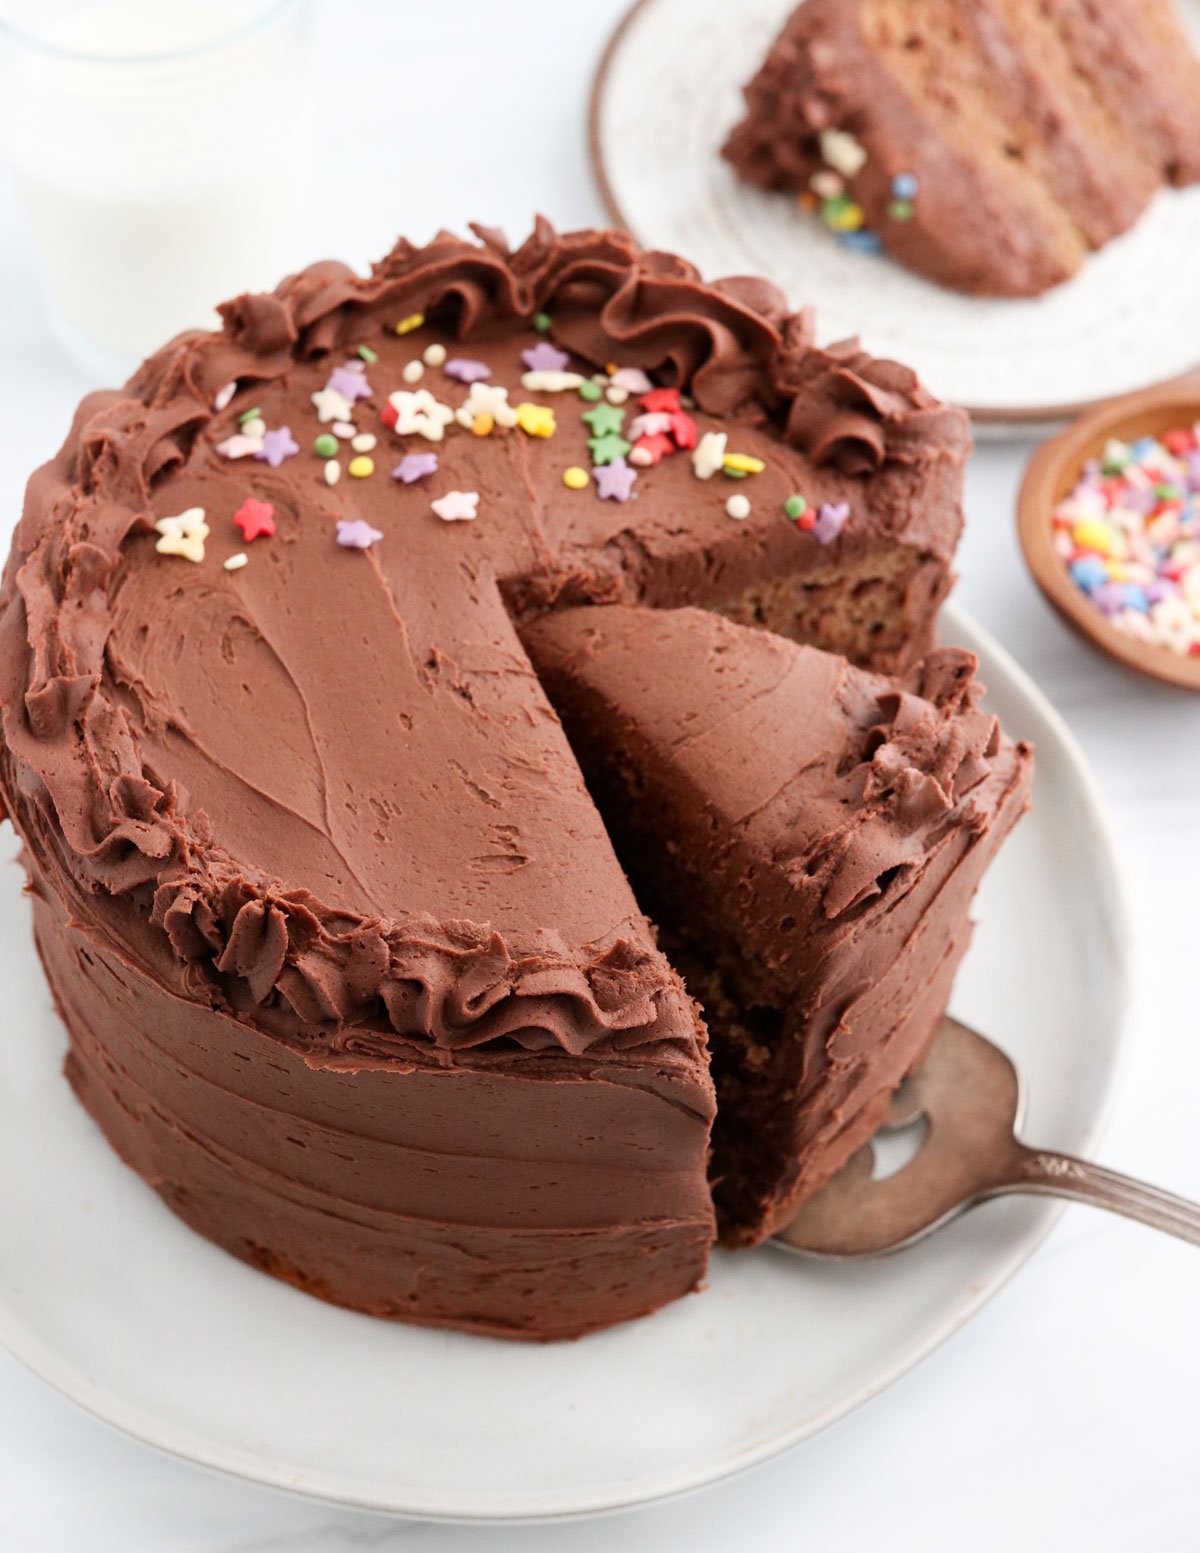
(988, 144)
(808, 838)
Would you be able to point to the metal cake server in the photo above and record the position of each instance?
(969, 1094)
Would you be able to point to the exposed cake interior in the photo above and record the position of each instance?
(808, 838)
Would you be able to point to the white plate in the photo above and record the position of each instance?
(105, 1294)
(666, 96)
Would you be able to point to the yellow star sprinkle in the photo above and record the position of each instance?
(183, 535)
(743, 463)
(575, 479)
(536, 420)
(413, 321)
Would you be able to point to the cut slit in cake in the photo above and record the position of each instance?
(808, 838)
(990, 145)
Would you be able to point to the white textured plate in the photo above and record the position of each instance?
(114, 1302)
(669, 90)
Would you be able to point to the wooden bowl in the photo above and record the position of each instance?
(1053, 472)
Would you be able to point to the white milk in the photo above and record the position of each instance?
(162, 149)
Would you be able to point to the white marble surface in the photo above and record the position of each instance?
(1068, 1413)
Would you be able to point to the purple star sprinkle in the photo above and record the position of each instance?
(831, 520)
(1109, 598)
(415, 466)
(353, 384)
(356, 534)
(277, 445)
(467, 371)
(614, 481)
(544, 357)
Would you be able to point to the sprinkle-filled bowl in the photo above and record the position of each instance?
(1109, 522)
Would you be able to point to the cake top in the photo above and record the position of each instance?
(283, 728)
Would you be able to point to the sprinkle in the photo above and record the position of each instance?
(278, 445)
(590, 391)
(604, 419)
(536, 420)
(709, 455)
(420, 414)
(609, 448)
(842, 214)
(463, 370)
(544, 357)
(415, 466)
(457, 506)
(542, 322)
(901, 210)
(331, 405)
(239, 447)
(743, 463)
(333, 472)
(364, 442)
(795, 507)
(831, 520)
(490, 400)
(651, 450)
(356, 534)
(665, 400)
(575, 479)
(325, 446)
(256, 519)
(236, 561)
(483, 425)
(350, 383)
(183, 535)
(904, 186)
(827, 184)
(550, 382)
(254, 428)
(413, 372)
(684, 430)
(842, 152)
(361, 467)
(413, 321)
(651, 423)
(368, 355)
(861, 242)
(224, 396)
(614, 480)
(434, 355)
(633, 379)
(738, 507)
(615, 394)
(249, 415)
(345, 430)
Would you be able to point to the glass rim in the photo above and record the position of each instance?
(14, 33)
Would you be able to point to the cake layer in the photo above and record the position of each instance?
(809, 838)
(1023, 135)
(322, 800)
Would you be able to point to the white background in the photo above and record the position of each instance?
(1067, 1415)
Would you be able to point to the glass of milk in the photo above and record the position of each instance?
(162, 150)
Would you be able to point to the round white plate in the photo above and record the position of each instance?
(110, 1298)
(668, 92)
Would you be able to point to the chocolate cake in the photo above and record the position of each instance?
(351, 972)
(987, 144)
(810, 837)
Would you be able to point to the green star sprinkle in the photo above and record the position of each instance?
(607, 447)
(605, 418)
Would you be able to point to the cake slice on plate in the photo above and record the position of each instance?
(808, 837)
(989, 145)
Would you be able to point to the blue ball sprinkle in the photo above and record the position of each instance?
(904, 186)
(1136, 598)
(1142, 447)
(1089, 573)
(861, 241)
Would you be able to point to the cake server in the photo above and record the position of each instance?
(969, 1094)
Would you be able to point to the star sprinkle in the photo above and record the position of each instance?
(536, 420)
(651, 423)
(604, 419)
(831, 520)
(183, 535)
(709, 455)
(418, 412)
(350, 382)
(415, 466)
(661, 399)
(651, 450)
(608, 449)
(332, 406)
(457, 506)
(543, 382)
(484, 399)
(356, 534)
(544, 357)
(464, 370)
(239, 446)
(278, 445)
(614, 480)
(256, 519)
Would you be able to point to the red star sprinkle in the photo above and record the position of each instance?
(256, 519)
(649, 450)
(683, 429)
(660, 399)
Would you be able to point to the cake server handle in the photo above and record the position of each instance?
(1045, 1173)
